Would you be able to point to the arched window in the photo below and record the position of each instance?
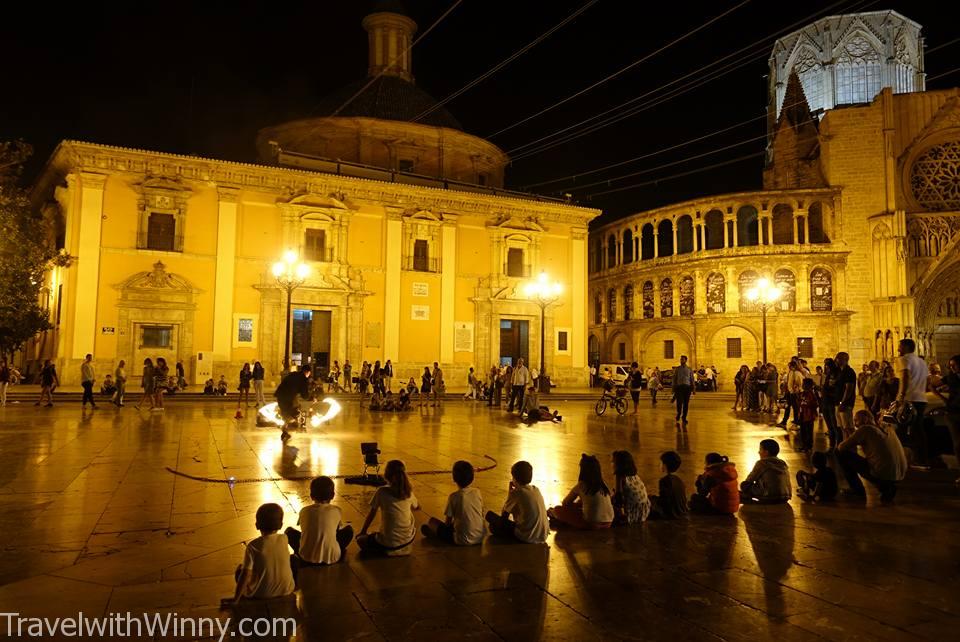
(821, 290)
(612, 305)
(748, 227)
(787, 282)
(745, 282)
(688, 305)
(810, 72)
(818, 232)
(593, 349)
(646, 242)
(628, 303)
(665, 238)
(648, 303)
(666, 298)
(713, 230)
(611, 251)
(627, 247)
(716, 294)
(857, 71)
(684, 234)
(783, 225)
(598, 309)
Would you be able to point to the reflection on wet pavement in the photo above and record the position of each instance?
(96, 523)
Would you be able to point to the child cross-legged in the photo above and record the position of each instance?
(526, 508)
(321, 540)
(588, 505)
(464, 524)
(396, 502)
(265, 572)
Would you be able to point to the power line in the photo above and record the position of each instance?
(397, 57)
(941, 46)
(620, 71)
(946, 73)
(506, 61)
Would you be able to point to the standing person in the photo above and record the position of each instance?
(376, 377)
(425, 380)
(794, 383)
(347, 376)
(740, 384)
(951, 383)
(387, 375)
(437, 383)
(4, 381)
(294, 385)
(913, 387)
(862, 379)
(593, 376)
(161, 378)
(181, 376)
(635, 380)
(808, 405)
(828, 402)
(682, 388)
(333, 379)
(471, 386)
(146, 382)
(87, 378)
(773, 378)
(845, 392)
(258, 374)
(871, 386)
(492, 379)
(246, 375)
(654, 385)
(120, 376)
(521, 378)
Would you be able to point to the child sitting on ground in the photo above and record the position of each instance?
(769, 481)
(464, 512)
(403, 403)
(375, 401)
(222, 386)
(534, 411)
(672, 500)
(717, 490)
(322, 540)
(631, 505)
(208, 387)
(525, 504)
(588, 505)
(265, 572)
(108, 387)
(388, 402)
(397, 503)
(821, 484)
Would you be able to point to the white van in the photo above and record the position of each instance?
(618, 372)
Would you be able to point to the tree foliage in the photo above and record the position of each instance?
(27, 252)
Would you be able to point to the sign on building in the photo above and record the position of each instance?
(463, 336)
(421, 289)
(420, 312)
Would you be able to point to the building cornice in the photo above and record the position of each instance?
(71, 156)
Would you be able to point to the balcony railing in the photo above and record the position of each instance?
(517, 271)
(421, 263)
(160, 242)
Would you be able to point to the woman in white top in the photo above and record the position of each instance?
(397, 503)
(588, 505)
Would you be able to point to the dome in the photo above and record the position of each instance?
(388, 98)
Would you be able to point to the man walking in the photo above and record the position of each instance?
(347, 376)
(682, 388)
(521, 378)
(87, 377)
(845, 392)
(913, 373)
(794, 385)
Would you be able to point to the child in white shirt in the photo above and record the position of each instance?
(265, 572)
(464, 512)
(397, 527)
(588, 505)
(322, 541)
(525, 505)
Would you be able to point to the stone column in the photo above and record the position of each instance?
(726, 240)
(735, 233)
(803, 288)
(674, 226)
(225, 270)
(578, 297)
(656, 240)
(88, 228)
(393, 253)
(796, 229)
(448, 284)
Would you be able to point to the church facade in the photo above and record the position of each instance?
(857, 224)
(415, 251)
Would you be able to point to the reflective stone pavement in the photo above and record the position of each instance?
(94, 522)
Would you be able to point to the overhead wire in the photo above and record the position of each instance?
(505, 62)
(945, 73)
(621, 70)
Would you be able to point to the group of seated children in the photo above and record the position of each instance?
(219, 388)
(268, 569)
(390, 402)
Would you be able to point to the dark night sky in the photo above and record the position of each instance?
(202, 78)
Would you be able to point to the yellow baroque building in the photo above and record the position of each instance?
(858, 222)
(416, 253)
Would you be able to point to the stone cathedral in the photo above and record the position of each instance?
(858, 221)
(416, 252)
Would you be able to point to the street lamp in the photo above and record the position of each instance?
(543, 293)
(290, 274)
(764, 295)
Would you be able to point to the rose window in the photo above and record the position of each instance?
(935, 177)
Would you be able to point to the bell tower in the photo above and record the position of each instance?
(389, 35)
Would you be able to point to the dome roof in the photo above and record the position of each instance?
(388, 98)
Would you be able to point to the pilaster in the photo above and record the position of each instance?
(392, 274)
(225, 272)
(578, 297)
(88, 263)
(448, 284)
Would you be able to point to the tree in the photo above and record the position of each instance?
(27, 252)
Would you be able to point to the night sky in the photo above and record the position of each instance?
(202, 78)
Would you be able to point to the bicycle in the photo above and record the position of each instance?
(617, 400)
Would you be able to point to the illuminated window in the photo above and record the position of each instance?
(805, 347)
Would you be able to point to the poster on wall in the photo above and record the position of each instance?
(244, 330)
(716, 294)
(687, 302)
(666, 298)
(463, 336)
(787, 282)
(373, 333)
(821, 290)
(421, 289)
(648, 304)
(420, 312)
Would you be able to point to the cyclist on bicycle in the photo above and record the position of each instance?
(295, 384)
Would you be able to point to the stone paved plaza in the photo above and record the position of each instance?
(95, 522)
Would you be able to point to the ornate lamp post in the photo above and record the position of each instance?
(290, 274)
(543, 293)
(765, 295)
